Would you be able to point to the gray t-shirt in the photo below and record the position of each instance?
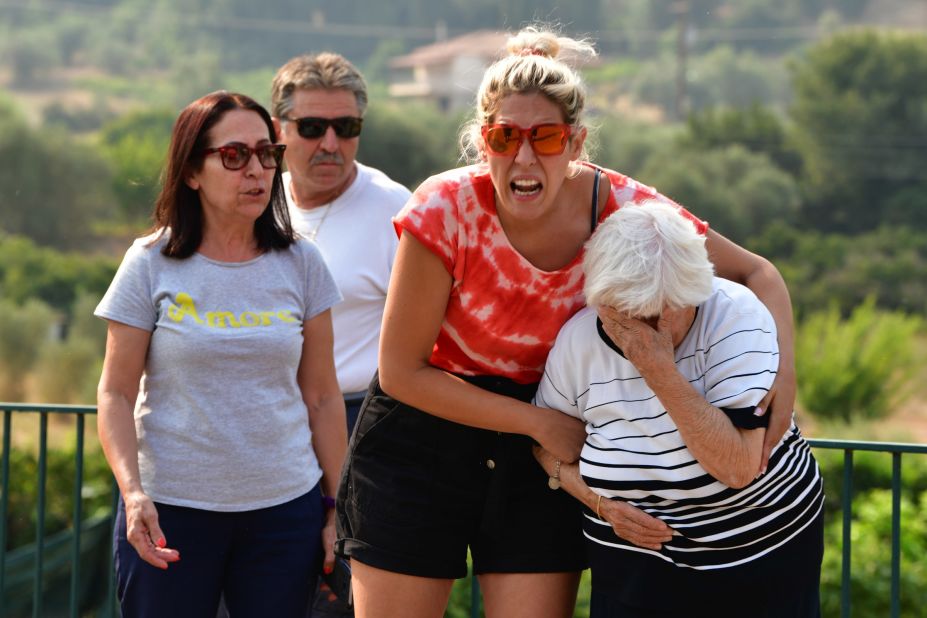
(220, 419)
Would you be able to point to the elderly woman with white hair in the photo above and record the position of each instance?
(666, 366)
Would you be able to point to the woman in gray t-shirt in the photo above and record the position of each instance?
(219, 410)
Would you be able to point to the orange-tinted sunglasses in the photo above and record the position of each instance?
(545, 139)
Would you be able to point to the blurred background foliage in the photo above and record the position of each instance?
(801, 133)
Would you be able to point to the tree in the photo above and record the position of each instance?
(135, 146)
(756, 128)
(888, 264)
(409, 143)
(52, 188)
(739, 192)
(860, 116)
(626, 145)
(719, 77)
(31, 53)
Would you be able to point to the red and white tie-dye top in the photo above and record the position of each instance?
(504, 313)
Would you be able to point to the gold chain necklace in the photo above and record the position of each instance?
(328, 208)
(315, 232)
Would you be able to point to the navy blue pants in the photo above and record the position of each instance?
(265, 562)
(352, 408)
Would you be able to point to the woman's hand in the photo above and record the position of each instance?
(144, 533)
(561, 435)
(778, 403)
(328, 542)
(648, 348)
(634, 525)
(628, 522)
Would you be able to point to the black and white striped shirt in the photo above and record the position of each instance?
(634, 452)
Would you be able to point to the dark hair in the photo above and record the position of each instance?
(178, 211)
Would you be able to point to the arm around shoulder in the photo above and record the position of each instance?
(763, 278)
(420, 287)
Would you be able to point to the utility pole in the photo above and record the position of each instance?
(440, 30)
(681, 9)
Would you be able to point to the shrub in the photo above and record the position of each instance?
(871, 471)
(59, 491)
(858, 367)
(67, 371)
(23, 331)
(28, 271)
(871, 557)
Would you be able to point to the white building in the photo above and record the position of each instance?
(447, 72)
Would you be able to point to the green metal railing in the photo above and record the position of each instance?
(39, 589)
(42, 544)
(897, 450)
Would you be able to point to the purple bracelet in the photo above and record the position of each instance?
(328, 502)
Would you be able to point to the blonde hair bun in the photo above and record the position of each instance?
(533, 42)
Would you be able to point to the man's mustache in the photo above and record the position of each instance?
(327, 157)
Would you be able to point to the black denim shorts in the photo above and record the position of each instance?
(417, 491)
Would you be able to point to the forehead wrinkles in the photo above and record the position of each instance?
(324, 104)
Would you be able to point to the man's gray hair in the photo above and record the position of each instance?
(645, 257)
(325, 71)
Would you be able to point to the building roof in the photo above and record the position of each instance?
(489, 44)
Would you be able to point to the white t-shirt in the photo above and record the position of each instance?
(358, 241)
(220, 418)
(634, 452)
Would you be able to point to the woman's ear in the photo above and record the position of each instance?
(191, 181)
(576, 143)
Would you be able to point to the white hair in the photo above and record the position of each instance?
(645, 257)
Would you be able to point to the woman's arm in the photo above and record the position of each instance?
(415, 305)
(757, 273)
(628, 522)
(729, 453)
(123, 364)
(319, 386)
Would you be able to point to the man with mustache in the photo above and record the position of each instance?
(345, 207)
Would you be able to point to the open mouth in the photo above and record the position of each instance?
(524, 187)
(255, 192)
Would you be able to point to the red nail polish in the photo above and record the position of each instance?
(161, 542)
(327, 569)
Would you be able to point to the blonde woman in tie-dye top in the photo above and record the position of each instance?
(488, 270)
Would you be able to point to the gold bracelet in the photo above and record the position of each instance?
(554, 481)
(598, 503)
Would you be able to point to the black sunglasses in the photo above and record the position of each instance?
(311, 127)
(235, 155)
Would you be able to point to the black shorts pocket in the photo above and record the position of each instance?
(374, 416)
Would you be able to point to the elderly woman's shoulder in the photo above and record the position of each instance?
(734, 299)
(732, 292)
(585, 320)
